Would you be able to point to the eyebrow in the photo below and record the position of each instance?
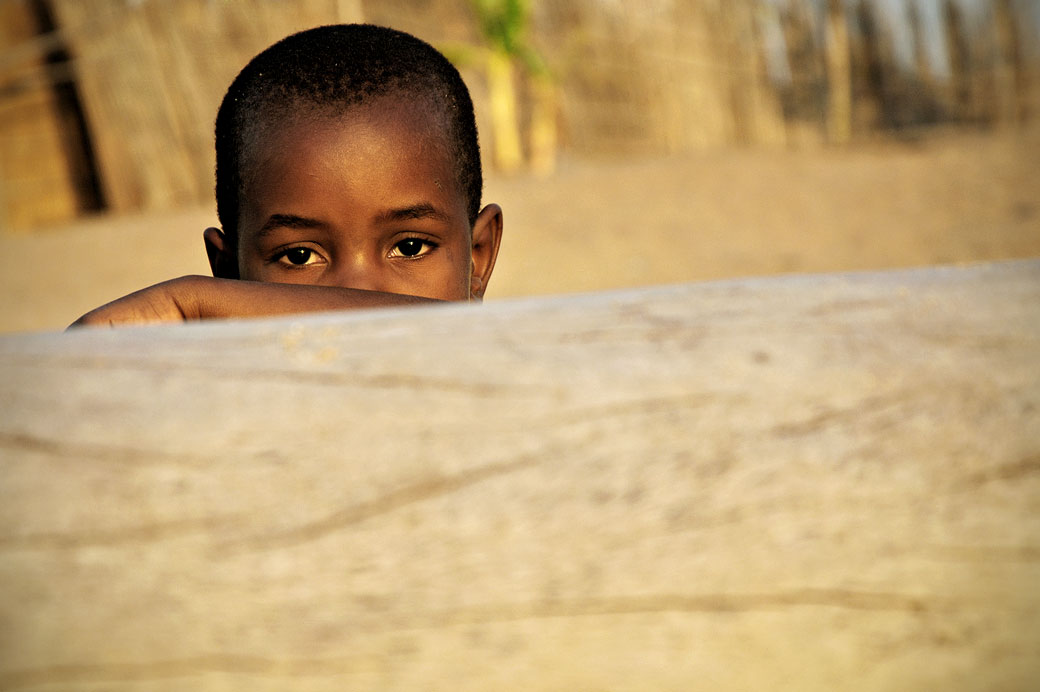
(423, 210)
(287, 221)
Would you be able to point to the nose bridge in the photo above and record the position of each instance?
(358, 269)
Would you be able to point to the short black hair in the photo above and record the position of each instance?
(333, 69)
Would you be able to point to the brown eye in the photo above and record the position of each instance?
(412, 247)
(298, 256)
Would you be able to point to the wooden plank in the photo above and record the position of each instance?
(825, 482)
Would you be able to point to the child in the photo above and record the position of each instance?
(348, 175)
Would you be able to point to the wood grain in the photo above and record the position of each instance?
(820, 482)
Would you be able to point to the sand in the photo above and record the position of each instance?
(596, 225)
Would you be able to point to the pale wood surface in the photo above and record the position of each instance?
(827, 482)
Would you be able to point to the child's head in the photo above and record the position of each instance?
(348, 155)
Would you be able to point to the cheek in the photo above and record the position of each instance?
(459, 279)
(445, 277)
(249, 268)
(252, 267)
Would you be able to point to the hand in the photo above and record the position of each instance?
(163, 302)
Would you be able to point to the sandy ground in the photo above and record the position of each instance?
(595, 225)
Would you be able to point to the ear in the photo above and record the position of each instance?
(487, 235)
(223, 259)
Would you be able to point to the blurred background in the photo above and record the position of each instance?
(628, 143)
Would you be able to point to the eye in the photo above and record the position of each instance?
(412, 247)
(298, 256)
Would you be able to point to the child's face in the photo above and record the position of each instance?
(367, 201)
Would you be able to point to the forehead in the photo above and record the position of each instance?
(392, 142)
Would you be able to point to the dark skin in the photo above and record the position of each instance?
(337, 212)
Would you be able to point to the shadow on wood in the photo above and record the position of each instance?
(823, 482)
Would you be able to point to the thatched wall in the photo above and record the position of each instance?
(684, 76)
(37, 184)
(152, 76)
(663, 77)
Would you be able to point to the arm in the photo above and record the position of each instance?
(204, 297)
